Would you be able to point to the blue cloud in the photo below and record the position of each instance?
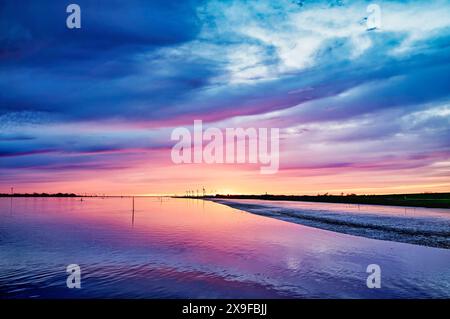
(162, 62)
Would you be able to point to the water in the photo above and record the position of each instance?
(184, 248)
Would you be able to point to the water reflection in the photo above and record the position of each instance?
(196, 249)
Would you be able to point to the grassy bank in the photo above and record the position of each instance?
(431, 200)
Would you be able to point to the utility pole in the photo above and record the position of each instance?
(12, 190)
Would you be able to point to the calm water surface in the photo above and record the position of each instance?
(184, 248)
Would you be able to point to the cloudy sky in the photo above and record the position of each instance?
(91, 110)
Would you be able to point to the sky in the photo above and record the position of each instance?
(91, 110)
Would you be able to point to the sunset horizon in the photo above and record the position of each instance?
(346, 124)
(220, 155)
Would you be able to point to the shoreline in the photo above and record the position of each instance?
(427, 200)
(429, 230)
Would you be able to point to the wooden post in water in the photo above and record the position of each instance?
(132, 215)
